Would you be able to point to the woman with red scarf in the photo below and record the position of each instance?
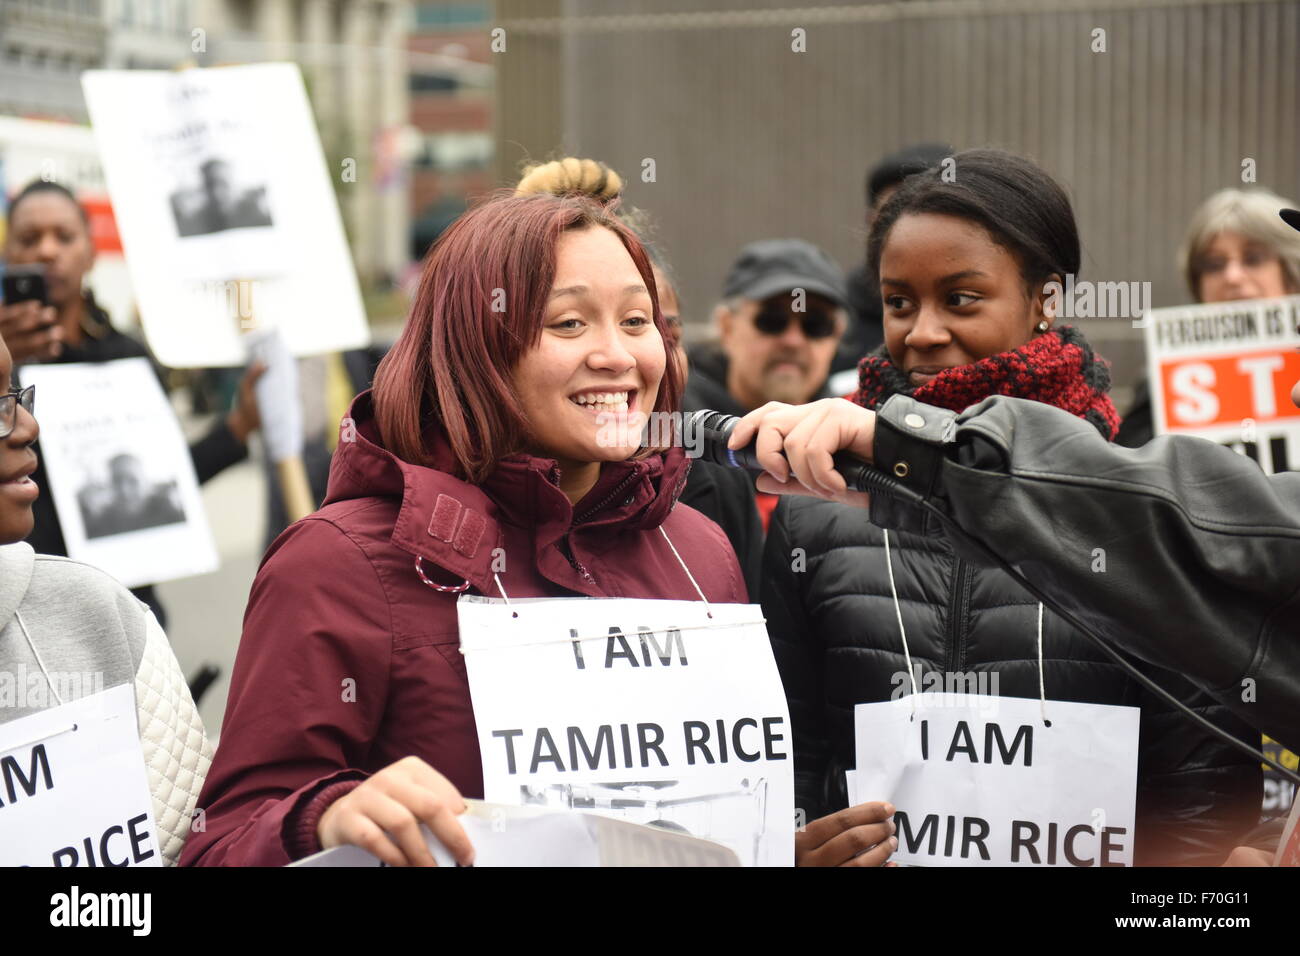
(477, 464)
(967, 270)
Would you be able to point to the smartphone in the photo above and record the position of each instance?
(23, 284)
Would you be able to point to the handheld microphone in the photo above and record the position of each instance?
(713, 430)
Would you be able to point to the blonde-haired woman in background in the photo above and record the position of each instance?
(1237, 247)
(725, 495)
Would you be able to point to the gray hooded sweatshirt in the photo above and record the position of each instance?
(69, 630)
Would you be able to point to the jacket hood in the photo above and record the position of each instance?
(456, 524)
(16, 564)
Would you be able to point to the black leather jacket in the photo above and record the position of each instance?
(1202, 548)
(834, 630)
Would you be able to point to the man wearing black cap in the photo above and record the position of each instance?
(784, 309)
(783, 312)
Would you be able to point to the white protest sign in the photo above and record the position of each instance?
(73, 786)
(535, 836)
(981, 781)
(120, 471)
(648, 711)
(226, 210)
(1224, 371)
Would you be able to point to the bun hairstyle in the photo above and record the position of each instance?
(1023, 208)
(563, 177)
(592, 179)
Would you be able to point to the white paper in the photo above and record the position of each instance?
(969, 774)
(626, 724)
(226, 210)
(278, 401)
(120, 471)
(77, 797)
(532, 836)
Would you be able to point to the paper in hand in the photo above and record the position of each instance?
(277, 395)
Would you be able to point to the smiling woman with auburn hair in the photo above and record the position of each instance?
(477, 464)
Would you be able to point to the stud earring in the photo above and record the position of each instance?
(1042, 326)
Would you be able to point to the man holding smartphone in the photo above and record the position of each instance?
(27, 321)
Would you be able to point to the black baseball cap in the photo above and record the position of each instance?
(772, 266)
(1291, 217)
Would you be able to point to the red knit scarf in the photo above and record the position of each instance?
(1057, 367)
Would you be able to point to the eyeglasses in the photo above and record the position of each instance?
(774, 320)
(9, 403)
(1253, 258)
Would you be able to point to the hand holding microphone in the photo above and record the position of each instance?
(808, 449)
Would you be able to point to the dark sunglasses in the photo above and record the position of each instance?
(817, 323)
(9, 402)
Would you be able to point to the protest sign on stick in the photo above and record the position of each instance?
(226, 208)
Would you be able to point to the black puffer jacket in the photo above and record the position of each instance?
(835, 634)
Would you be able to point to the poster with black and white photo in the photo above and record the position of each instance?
(120, 471)
(653, 712)
(226, 209)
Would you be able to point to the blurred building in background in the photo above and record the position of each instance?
(452, 85)
(147, 35)
(44, 46)
(750, 138)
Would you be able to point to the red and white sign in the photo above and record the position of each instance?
(1225, 371)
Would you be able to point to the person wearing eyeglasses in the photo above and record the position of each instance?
(61, 620)
(784, 311)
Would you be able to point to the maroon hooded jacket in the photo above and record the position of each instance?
(349, 661)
